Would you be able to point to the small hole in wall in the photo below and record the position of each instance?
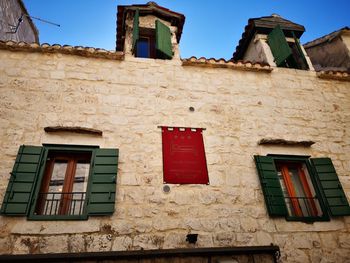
(166, 188)
(191, 109)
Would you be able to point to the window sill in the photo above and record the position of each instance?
(57, 217)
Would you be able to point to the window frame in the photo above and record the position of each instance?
(304, 159)
(148, 34)
(68, 149)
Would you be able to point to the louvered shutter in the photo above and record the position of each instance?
(135, 30)
(278, 45)
(163, 41)
(330, 186)
(103, 182)
(271, 186)
(23, 178)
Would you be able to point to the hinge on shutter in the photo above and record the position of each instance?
(110, 195)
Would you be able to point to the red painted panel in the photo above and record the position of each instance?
(184, 156)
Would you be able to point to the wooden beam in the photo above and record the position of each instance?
(73, 129)
(273, 141)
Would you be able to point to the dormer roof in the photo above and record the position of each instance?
(151, 8)
(264, 25)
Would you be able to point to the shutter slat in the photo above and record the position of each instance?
(278, 45)
(271, 186)
(22, 182)
(330, 186)
(163, 41)
(103, 182)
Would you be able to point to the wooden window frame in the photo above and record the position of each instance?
(44, 179)
(150, 35)
(303, 160)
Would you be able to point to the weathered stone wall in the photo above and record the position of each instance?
(10, 12)
(127, 100)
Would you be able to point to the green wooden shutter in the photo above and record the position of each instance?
(103, 182)
(135, 30)
(271, 186)
(278, 45)
(330, 186)
(163, 41)
(20, 189)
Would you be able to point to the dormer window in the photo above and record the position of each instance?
(151, 43)
(287, 53)
(273, 40)
(149, 31)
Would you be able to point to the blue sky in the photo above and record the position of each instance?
(212, 28)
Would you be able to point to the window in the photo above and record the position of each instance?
(62, 182)
(300, 188)
(151, 43)
(145, 45)
(184, 159)
(286, 54)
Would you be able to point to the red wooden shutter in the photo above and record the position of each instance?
(184, 159)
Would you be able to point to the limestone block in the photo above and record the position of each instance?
(245, 239)
(56, 227)
(96, 242)
(122, 227)
(204, 240)
(76, 243)
(344, 240)
(175, 240)
(122, 243)
(224, 238)
(54, 244)
(329, 240)
(26, 245)
(301, 240)
(296, 255)
(5, 245)
(57, 74)
(249, 224)
(148, 241)
(263, 238)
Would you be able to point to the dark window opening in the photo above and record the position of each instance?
(295, 60)
(146, 44)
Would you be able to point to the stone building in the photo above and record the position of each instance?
(331, 52)
(15, 23)
(138, 155)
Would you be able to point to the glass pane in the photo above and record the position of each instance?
(79, 188)
(285, 193)
(81, 177)
(142, 49)
(53, 197)
(57, 178)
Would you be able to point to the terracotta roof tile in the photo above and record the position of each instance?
(329, 37)
(222, 63)
(65, 49)
(337, 75)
